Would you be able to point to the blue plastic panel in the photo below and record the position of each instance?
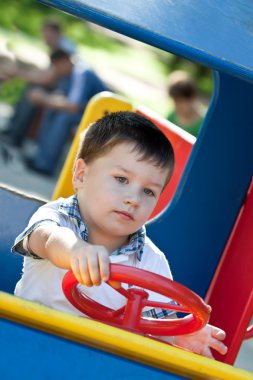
(32, 354)
(16, 210)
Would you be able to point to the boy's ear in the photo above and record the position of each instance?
(79, 173)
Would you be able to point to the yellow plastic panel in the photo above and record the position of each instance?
(99, 105)
(117, 341)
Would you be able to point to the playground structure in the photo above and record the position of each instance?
(210, 213)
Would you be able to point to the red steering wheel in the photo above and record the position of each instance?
(129, 316)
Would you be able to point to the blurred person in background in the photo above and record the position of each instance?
(25, 111)
(53, 37)
(187, 112)
(54, 40)
(64, 108)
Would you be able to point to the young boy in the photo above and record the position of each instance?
(122, 166)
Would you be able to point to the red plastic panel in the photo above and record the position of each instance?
(231, 291)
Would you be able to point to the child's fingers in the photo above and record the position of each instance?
(75, 269)
(215, 332)
(93, 268)
(219, 334)
(104, 264)
(84, 272)
(219, 347)
(80, 270)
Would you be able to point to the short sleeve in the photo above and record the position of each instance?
(47, 214)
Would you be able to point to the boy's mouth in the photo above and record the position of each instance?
(125, 215)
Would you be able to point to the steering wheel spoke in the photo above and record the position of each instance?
(121, 290)
(119, 312)
(166, 306)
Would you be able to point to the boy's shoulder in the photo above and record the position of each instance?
(56, 210)
(50, 207)
(59, 203)
(52, 204)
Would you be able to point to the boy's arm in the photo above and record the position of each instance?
(61, 246)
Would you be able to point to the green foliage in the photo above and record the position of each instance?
(11, 90)
(25, 15)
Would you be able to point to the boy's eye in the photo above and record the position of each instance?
(149, 192)
(121, 179)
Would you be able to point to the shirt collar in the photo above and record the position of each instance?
(69, 206)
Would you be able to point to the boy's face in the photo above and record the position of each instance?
(116, 194)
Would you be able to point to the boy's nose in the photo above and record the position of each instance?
(132, 200)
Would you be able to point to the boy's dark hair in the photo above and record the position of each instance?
(182, 85)
(127, 127)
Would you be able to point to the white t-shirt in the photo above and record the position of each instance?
(42, 281)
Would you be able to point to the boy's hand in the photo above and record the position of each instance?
(203, 340)
(90, 264)
(60, 245)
